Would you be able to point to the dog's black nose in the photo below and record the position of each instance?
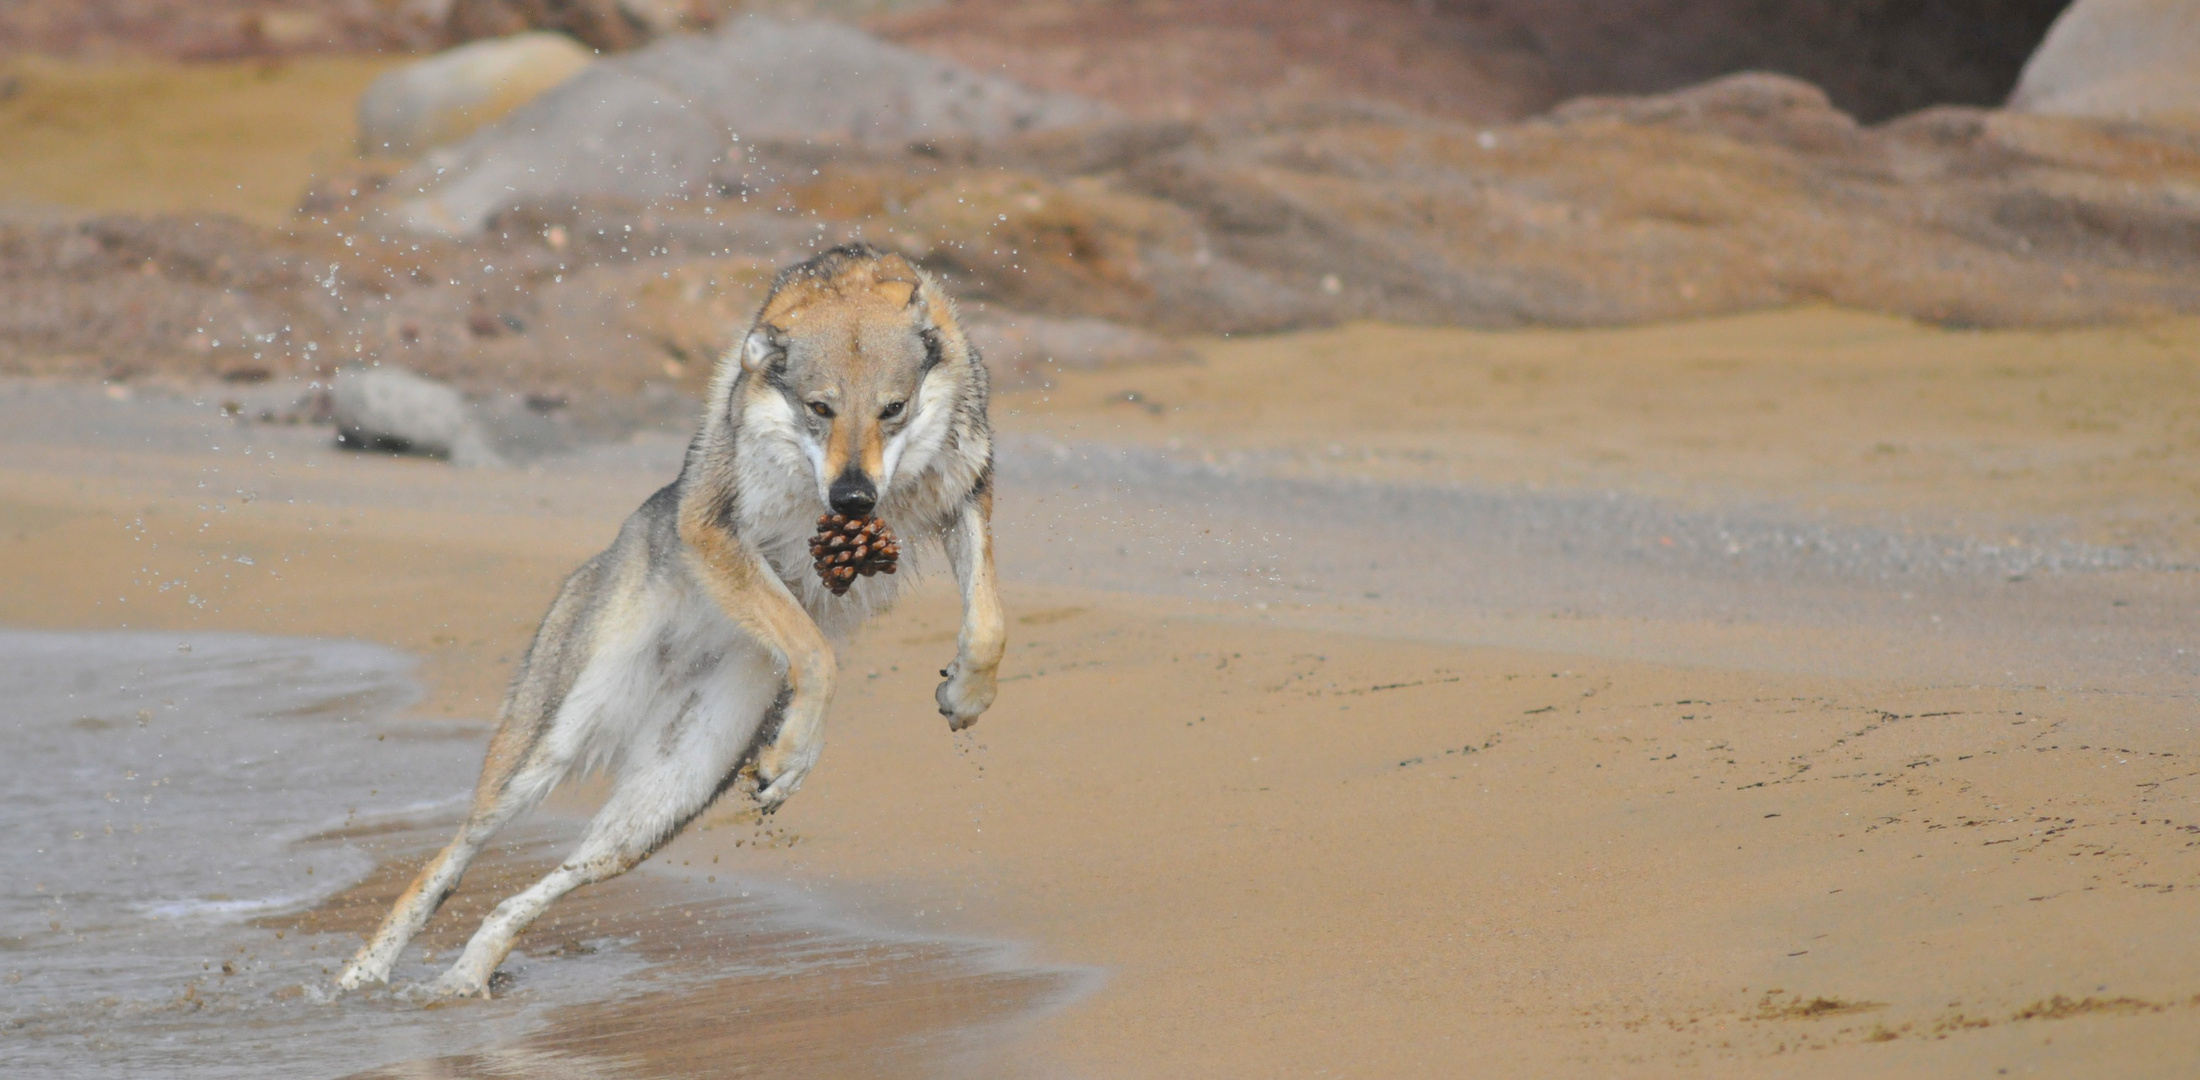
(854, 496)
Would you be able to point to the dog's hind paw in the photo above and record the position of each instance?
(357, 975)
(452, 986)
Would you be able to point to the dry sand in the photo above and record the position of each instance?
(147, 137)
(1695, 813)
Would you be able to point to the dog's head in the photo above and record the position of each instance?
(863, 350)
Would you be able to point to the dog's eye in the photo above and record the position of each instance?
(891, 411)
(822, 409)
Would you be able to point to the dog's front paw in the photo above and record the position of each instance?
(780, 770)
(967, 694)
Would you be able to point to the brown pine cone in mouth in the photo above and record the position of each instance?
(846, 547)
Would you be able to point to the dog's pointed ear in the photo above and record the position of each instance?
(928, 327)
(763, 349)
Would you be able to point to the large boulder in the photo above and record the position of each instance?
(447, 96)
(2120, 60)
(655, 123)
(803, 81)
(606, 132)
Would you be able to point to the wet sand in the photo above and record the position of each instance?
(1391, 725)
(741, 980)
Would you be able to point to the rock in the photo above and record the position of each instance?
(794, 81)
(608, 25)
(605, 132)
(1484, 61)
(393, 410)
(656, 123)
(661, 17)
(1021, 349)
(1753, 107)
(446, 97)
(201, 30)
(2120, 60)
(1745, 192)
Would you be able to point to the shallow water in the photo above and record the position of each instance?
(203, 825)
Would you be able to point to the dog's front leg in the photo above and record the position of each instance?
(793, 752)
(751, 594)
(783, 627)
(970, 684)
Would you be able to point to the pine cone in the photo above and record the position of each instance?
(846, 547)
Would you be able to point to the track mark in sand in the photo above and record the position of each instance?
(2063, 1008)
(1770, 1007)
(1041, 673)
(1784, 1023)
(1954, 1021)
(1460, 750)
(1050, 615)
(1360, 690)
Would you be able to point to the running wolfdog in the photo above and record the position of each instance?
(701, 641)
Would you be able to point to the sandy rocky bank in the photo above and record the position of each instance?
(1084, 235)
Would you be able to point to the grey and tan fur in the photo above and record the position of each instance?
(702, 640)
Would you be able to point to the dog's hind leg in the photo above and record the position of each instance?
(518, 772)
(656, 793)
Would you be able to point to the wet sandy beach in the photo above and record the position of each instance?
(739, 979)
(1684, 700)
(264, 802)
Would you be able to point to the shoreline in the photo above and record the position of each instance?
(814, 993)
